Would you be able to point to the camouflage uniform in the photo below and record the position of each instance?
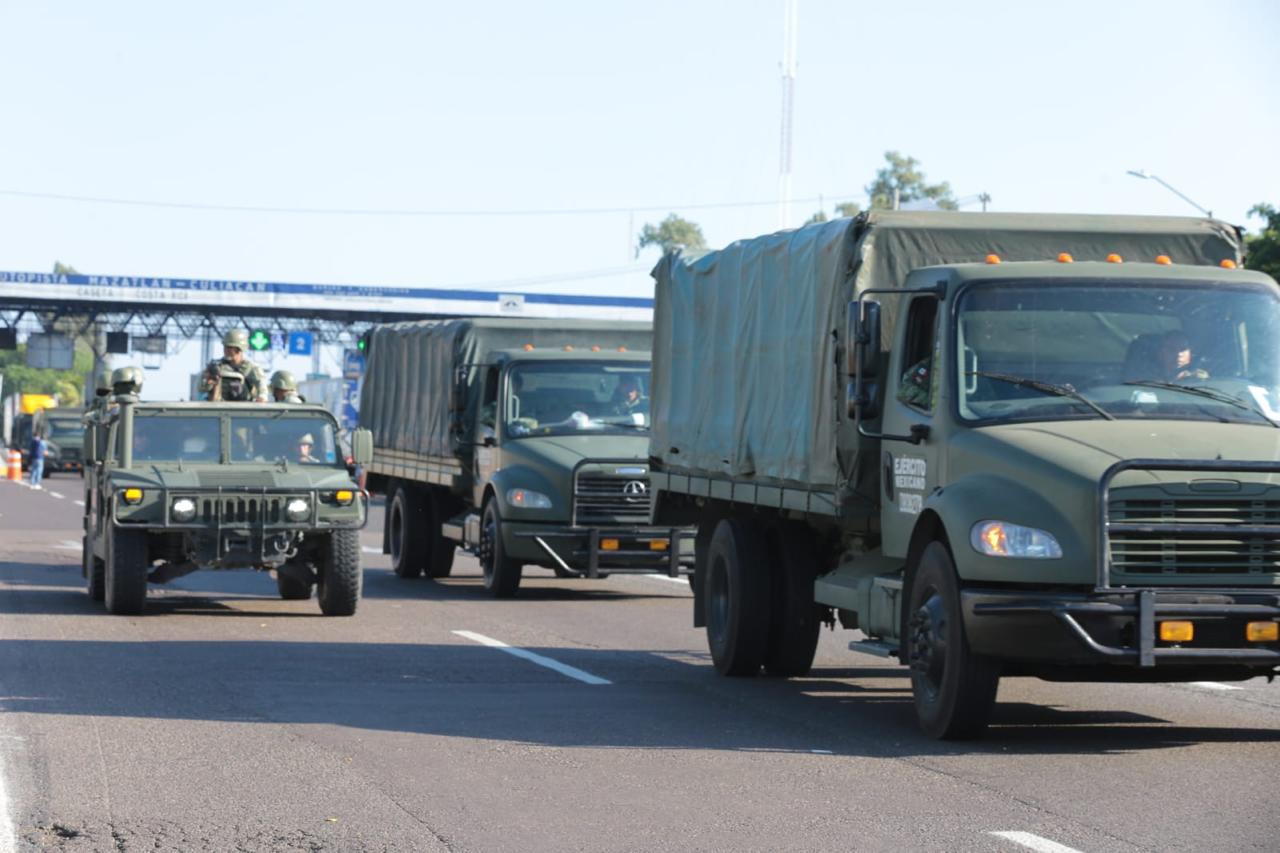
(282, 380)
(251, 378)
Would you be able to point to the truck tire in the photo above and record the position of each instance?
(954, 689)
(94, 572)
(794, 618)
(341, 575)
(439, 549)
(292, 588)
(501, 573)
(409, 518)
(125, 575)
(737, 598)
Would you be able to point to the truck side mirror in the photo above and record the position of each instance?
(362, 447)
(862, 359)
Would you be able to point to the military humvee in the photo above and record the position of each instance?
(176, 487)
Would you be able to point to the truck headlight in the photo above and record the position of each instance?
(183, 509)
(526, 499)
(297, 509)
(1002, 539)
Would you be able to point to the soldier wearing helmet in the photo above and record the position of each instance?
(234, 376)
(284, 388)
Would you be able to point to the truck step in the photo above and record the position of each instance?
(878, 648)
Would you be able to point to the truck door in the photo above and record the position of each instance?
(487, 432)
(909, 470)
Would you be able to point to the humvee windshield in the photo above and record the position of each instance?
(1199, 351)
(559, 398)
(268, 437)
(162, 437)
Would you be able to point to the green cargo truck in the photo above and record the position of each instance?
(994, 444)
(524, 442)
(63, 429)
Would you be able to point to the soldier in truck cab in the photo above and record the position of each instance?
(1176, 360)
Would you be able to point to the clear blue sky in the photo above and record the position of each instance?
(569, 105)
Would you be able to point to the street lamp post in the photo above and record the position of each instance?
(1142, 173)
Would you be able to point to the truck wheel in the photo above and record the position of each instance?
(338, 587)
(439, 549)
(125, 575)
(794, 617)
(501, 573)
(408, 518)
(292, 588)
(737, 598)
(954, 689)
(94, 572)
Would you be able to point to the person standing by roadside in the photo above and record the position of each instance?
(38, 449)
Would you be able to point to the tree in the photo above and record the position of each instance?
(67, 384)
(672, 233)
(1263, 250)
(59, 268)
(902, 179)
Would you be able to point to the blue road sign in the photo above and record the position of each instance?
(352, 364)
(278, 341)
(299, 343)
(351, 404)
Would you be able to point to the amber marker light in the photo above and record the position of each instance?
(1262, 632)
(622, 349)
(1065, 258)
(657, 544)
(132, 496)
(595, 348)
(1164, 260)
(528, 347)
(1113, 258)
(608, 544)
(1227, 264)
(993, 259)
(344, 496)
(568, 348)
(1177, 632)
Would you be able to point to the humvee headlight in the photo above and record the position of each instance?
(183, 509)
(1002, 539)
(131, 496)
(297, 509)
(526, 499)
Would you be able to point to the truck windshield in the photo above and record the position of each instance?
(1198, 351)
(272, 436)
(173, 438)
(559, 398)
(66, 430)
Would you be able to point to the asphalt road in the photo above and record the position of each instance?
(227, 719)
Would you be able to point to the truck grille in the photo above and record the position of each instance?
(606, 499)
(1199, 535)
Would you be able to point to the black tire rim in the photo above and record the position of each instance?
(928, 658)
(717, 601)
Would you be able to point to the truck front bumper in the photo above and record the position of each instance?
(592, 550)
(1121, 627)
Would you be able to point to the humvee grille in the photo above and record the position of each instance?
(243, 509)
(608, 499)
(1195, 535)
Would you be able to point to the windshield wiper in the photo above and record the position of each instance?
(1045, 388)
(1209, 393)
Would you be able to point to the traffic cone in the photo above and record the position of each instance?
(15, 464)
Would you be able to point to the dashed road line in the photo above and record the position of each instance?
(369, 550)
(57, 495)
(1214, 685)
(667, 578)
(1035, 842)
(534, 657)
(78, 503)
(68, 545)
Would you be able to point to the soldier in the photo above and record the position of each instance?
(234, 377)
(284, 388)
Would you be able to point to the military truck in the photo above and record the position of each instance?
(1021, 445)
(176, 487)
(522, 441)
(63, 428)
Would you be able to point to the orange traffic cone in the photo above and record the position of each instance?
(15, 464)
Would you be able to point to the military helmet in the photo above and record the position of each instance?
(103, 384)
(127, 380)
(307, 439)
(237, 338)
(282, 380)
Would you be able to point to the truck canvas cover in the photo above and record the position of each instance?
(413, 366)
(745, 376)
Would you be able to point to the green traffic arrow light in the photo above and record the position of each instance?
(259, 340)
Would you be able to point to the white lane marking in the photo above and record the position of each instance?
(57, 495)
(368, 550)
(656, 577)
(68, 545)
(1035, 842)
(8, 839)
(1214, 685)
(78, 503)
(533, 657)
(822, 752)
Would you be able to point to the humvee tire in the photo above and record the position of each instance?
(94, 572)
(338, 587)
(501, 573)
(126, 572)
(291, 588)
